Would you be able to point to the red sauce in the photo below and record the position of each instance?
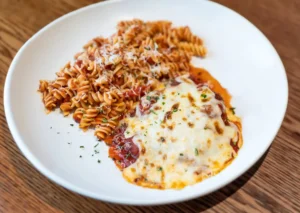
(144, 108)
(200, 76)
(234, 146)
(136, 92)
(123, 150)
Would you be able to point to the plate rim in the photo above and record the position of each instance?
(62, 182)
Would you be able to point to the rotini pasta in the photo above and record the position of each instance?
(110, 75)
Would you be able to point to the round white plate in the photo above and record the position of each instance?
(239, 56)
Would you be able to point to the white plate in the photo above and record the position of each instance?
(240, 57)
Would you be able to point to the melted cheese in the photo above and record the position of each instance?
(179, 146)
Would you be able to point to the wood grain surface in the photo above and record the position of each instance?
(272, 185)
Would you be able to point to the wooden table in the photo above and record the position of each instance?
(272, 185)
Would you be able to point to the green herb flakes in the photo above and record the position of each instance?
(159, 169)
(153, 112)
(203, 95)
(232, 110)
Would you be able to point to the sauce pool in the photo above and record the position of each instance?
(200, 76)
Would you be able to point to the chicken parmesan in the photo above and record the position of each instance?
(177, 136)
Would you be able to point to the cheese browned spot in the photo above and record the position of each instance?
(196, 142)
(218, 128)
(191, 125)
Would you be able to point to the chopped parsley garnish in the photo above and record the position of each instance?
(96, 145)
(159, 169)
(232, 110)
(196, 152)
(147, 48)
(127, 132)
(104, 120)
(148, 98)
(164, 97)
(178, 93)
(82, 147)
(156, 98)
(175, 110)
(99, 161)
(181, 154)
(71, 124)
(96, 151)
(163, 103)
(203, 95)
(153, 112)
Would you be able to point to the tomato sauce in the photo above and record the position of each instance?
(200, 76)
(123, 150)
(136, 92)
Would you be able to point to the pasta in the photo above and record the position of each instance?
(110, 75)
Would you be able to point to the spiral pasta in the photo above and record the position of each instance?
(110, 75)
